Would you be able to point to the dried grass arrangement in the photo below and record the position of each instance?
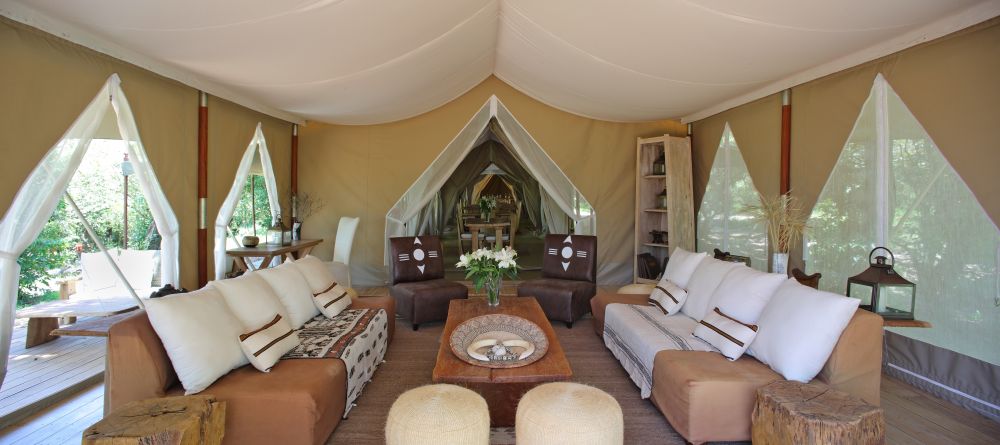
(785, 218)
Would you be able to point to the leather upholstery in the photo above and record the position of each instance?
(300, 401)
(569, 277)
(563, 300)
(570, 257)
(416, 258)
(423, 301)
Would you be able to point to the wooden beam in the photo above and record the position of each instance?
(786, 141)
(202, 189)
(295, 159)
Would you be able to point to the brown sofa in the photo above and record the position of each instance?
(708, 398)
(300, 401)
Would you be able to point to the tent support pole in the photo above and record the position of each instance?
(295, 172)
(100, 245)
(202, 189)
(786, 140)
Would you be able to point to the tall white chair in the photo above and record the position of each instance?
(346, 229)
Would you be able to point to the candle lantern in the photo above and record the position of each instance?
(882, 290)
(278, 234)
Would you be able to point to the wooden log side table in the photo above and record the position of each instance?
(793, 412)
(185, 420)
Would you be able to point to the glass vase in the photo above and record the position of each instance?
(779, 263)
(493, 285)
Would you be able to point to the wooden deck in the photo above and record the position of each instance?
(45, 374)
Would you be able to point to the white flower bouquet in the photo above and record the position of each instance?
(488, 267)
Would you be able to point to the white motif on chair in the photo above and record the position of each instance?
(567, 252)
(419, 254)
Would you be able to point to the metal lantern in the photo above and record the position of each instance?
(660, 164)
(278, 234)
(882, 290)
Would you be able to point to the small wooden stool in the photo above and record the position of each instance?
(794, 412)
(186, 420)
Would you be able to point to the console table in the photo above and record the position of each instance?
(268, 252)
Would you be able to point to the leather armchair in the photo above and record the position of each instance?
(569, 277)
(418, 285)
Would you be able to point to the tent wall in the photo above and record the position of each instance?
(46, 84)
(230, 128)
(363, 170)
(949, 84)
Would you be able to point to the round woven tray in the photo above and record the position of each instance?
(501, 327)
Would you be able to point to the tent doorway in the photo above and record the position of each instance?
(493, 155)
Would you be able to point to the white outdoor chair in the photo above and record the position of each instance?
(346, 229)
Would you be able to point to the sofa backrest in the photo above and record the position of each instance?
(570, 257)
(416, 258)
(855, 365)
(138, 366)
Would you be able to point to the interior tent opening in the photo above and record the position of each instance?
(256, 161)
(892, 187)
(47, 184)
(724, 221)
(492, 136)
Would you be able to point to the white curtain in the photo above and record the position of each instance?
(723, 219)
(257, 145)
(892, 187)
(38, 196)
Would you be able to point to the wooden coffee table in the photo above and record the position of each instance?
(502, 388)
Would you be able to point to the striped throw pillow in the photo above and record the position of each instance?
(667, 297)
(725, 333)
(332, 300)
(267, 344)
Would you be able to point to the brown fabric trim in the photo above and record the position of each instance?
(658, 305)
(752, 327)
(722, 333)
(341, 297)
(326, 290)
(251, 333)
(668, 294)
(273, 342)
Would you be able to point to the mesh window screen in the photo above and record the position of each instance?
(891, 186)
(723, 221)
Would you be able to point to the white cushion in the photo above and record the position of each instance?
(251, 299)
(799, 329)
(681, 266)
(264, 346)
(293, 291)
(668, 297)
(317, 273)
(725, 333)
(332, 302)
(200, 335)
(704, 281)
(744, 292)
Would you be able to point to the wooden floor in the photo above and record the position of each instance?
(44, 374)
(912, 417)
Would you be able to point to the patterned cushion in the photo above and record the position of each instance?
(725, 333)
(668, 297)
(332, 300)
(264, 346)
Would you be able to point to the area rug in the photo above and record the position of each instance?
(410, 361)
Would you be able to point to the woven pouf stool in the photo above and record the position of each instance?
(437, 415)
(565, 412)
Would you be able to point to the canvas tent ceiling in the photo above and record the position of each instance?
(360, 62)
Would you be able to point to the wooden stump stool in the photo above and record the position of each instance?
(793, 412)
(187, 420)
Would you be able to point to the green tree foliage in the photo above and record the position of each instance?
(252, 206)
(45, 259)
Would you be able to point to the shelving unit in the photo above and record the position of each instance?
(677, 219)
